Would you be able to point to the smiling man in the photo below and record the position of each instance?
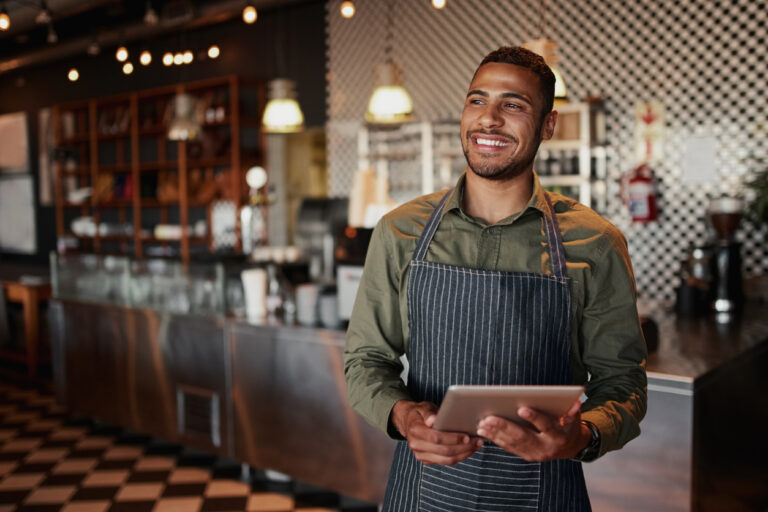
(496, 282)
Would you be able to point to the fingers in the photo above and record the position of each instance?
(434, 447)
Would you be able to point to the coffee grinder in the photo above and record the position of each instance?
(726, 291)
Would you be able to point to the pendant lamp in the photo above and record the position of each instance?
(548, 50)
(282, 113)
(184, 124)
(390, 103)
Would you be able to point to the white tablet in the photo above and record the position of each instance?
(464, 406)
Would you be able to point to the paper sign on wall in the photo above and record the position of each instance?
(699, 160)
(649, 131)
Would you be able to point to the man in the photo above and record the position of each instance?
(497, 282)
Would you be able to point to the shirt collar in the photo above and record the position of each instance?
(536, 202)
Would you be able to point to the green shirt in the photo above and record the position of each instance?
(608, 352)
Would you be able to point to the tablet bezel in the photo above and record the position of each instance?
(464, 406)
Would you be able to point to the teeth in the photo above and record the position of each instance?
(490, 142)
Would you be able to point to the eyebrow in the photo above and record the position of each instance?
(484, 94)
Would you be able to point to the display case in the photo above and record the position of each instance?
(123, 187)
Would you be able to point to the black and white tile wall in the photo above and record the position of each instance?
(705, 60)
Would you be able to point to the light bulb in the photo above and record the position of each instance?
(121, 54)
(5, 20)
(249, 14)
(214, 52)
(73, 75)
(438, 4)
(178, 59)
(347, 9)
(127, 68)
(188, 57)
(167, 59)
(145, 58)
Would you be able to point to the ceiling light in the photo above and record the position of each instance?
(127, 68)
(145, 58)
(438, 4)
(249, 14)
(167, 59)
(93, 49)
(150, 16)
(5, 20)
(43, 17)
(347, 9)
(178, 59)
(121, 54)
(282, 113)
(184, 125)
(52, 36)
(547, 49)
(188, 57)
(214, 52)
(73, 75)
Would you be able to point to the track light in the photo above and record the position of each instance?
(44, 16)
(178, 58)
(145, 58)
(188, 57)
(214, 52)
(121, 54)
(150, 16)
(73, 75)
(249, 14)
(127, 68)
(52, 36)
(5, 20)
(347, 9)
(167, 59)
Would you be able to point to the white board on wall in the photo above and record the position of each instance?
(17, 214)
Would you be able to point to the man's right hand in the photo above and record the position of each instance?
(414, 420)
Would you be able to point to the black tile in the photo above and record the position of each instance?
(133, 439)
(95, 493)
(116, 464)
(163, 449)
(195, 460)
(39, 467)
(149, 476)
(39, 508)
(13, 497)
(86, 453)
(31, 434)
(227, 472)
(59, 443)
(64, 479)
(316, 499)
(132, 506)
(214, 504)
(172, 490)
(12, 456)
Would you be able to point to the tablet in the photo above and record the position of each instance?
(464, 406)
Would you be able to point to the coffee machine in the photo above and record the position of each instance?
(726, 290)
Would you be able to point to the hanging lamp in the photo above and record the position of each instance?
(184, 124)
(282, 113)
(390, 103)
(548, 50)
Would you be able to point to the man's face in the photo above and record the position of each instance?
(501, 124)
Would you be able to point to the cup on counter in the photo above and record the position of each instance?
(306, 304)
(255, 289)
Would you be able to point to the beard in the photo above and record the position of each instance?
(489, 168)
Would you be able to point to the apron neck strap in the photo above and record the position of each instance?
(554, 238)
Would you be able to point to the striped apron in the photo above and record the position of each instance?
(471, 326)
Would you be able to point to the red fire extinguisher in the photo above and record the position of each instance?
(639, 193)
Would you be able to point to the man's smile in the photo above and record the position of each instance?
(490, 142)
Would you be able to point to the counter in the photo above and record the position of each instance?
(274, 396)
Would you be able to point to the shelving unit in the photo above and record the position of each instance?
(419, 158)
(118, 147)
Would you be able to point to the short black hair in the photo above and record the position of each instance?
(524, 58)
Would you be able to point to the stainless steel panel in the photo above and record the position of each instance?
(291, 412)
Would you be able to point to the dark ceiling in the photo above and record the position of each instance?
(79, 24)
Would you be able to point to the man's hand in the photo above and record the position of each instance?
(414, 421)
(557, 438)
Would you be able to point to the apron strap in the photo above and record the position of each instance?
(429, 229)
(554, 238)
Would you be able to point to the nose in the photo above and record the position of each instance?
(491, 118)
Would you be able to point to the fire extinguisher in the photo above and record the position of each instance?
(639, 193)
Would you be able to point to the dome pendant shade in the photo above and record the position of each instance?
(282, 113)
(184, 125)
(390, 103)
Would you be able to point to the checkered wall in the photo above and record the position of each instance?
(704, 59)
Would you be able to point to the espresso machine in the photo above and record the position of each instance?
(726, 290)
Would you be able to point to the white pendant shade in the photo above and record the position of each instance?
(390, 103)
(184, 125)
(560, 92)
(282, 113)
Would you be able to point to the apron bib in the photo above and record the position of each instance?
(483, 327)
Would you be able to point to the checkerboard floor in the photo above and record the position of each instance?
(51, 462)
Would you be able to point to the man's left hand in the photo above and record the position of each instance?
(553, 437)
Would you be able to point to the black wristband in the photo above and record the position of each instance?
(592, 450)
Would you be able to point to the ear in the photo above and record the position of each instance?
(548, 126)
